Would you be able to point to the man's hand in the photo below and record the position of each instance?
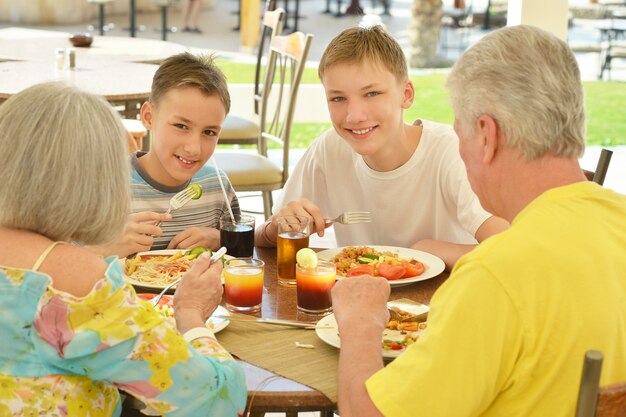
(361, 301)
(360, 308)
(196, 236)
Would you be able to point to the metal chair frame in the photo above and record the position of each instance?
(596, 401)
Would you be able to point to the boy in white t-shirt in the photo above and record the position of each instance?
(410, 177)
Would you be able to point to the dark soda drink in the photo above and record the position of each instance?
(238, 239)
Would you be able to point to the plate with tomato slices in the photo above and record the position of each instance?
(166, 308)
(394, 342)
(401, 266)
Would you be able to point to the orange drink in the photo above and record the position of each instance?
(243, 284)
(313, 287)
(293, 235)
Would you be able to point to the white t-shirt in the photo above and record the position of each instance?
(429, 197)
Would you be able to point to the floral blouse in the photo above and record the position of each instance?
(67, 356)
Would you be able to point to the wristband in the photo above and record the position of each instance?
(198, 332)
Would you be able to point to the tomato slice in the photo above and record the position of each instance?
(413, 269)
(364, 269)
(391, 272)
(166, 300)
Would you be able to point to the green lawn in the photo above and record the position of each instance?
(605, 101)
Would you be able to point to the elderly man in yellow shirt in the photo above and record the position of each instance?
(508, 330)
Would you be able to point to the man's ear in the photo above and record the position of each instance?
(409, 94)
(147, 114)
(490, 137)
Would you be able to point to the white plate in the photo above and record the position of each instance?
(218, 324)
(434, 265)
(327, 330)
(151, 287)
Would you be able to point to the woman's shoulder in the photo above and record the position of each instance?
(74, 269)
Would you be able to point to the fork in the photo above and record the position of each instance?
(216, 255)
(180, 199)
(351, 217)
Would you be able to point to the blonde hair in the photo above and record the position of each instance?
(188, 70)
(527, 80)
(365, 44)
(64, 165)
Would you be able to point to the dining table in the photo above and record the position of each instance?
(282, 376)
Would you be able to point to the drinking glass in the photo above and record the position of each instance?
(237, 237)
(313, 287)
(293, 235)
(243, 284)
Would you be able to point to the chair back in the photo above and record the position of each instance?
(602, 167)
(285, 66)
(596, 401)
(271, 26)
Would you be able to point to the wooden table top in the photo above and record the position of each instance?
(284, 395)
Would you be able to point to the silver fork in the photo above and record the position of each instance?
(216, 255)
(180, 199)
(351, 217)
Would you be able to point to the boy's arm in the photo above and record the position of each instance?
(451, 252)
(138, 236)
(266, 234)
(492, 226)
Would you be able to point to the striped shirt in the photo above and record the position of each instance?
(149, 195)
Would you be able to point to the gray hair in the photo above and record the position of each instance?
(63, 164)
(529, 82)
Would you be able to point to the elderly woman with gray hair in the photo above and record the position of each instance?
(75, 333)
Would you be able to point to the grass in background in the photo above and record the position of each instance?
(606, 112)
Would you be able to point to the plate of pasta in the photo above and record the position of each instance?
(396, 338)
(154, 270)
(400, 266)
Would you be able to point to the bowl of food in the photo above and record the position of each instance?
(81, 40)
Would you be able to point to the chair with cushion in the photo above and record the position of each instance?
(239, 130)
(250, 171)
(602, 167)
(596, 401)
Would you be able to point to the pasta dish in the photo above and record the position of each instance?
(157, 270)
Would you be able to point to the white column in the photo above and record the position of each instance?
(550, 15)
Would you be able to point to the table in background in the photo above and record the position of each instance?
(108, 48)
(120, 83)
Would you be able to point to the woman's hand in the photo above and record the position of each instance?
(198, 294)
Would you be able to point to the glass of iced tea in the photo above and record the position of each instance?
(237, 236)
(293, 235)
(313, 287)
(243, 284)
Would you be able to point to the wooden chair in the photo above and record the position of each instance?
(596, 401)
(136, 133)
(254, 171)
(602, 167)
(239, 130)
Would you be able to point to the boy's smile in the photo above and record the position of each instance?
(366, 104)
(185, 124)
